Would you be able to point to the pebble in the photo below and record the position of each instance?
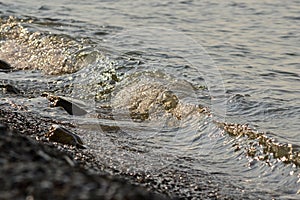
(10, 89)
(3, 128)
(62, 135)
(68, 106)
(5, 67)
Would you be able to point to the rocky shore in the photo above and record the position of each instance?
(32, 168)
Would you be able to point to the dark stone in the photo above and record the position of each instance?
(10, 89)
(3, 128)
(70, 107)
(5, 67)
(64, 136)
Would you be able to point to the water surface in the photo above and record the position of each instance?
(238, 59)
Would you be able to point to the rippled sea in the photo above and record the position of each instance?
(240, 59)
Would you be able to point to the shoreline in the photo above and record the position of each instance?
(36, 169)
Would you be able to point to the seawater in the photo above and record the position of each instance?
(240, 59)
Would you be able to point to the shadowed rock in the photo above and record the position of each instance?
(10, 89)
(5, 67)
(64, 136)
(70, 107)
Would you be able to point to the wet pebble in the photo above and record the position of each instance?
(3, 128)
(70, 107)
(5, 67)
(62, 135)
(10, 89)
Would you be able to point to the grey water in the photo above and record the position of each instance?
(241, 59)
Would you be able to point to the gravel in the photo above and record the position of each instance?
(35, 169)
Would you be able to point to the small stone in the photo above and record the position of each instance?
(5, 67)
(10, 89)
(61, 135)
(3, 128)
(69, 106)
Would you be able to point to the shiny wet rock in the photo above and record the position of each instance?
(64, 136)
(70, 107)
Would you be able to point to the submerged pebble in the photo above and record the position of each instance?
(10, 89)
(64, 136)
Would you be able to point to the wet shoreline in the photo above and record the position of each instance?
(64, 172)
(26, 139)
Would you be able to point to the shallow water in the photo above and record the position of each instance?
(241, 60)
